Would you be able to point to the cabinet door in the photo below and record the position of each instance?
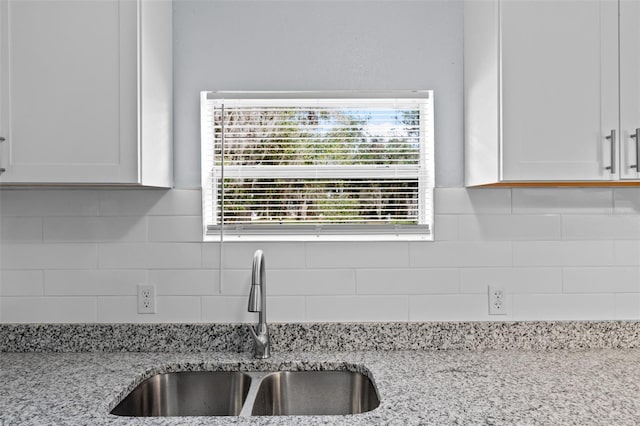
(559, 87)
(629, 89)
(68, 91)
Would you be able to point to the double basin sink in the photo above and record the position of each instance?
(237, 393)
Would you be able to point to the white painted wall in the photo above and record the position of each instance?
(318, 45)
(78, 255)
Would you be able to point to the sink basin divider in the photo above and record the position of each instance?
(256, 380)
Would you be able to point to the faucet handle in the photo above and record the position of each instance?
(253, 334)
(261, 342)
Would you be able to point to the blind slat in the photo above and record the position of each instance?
(329, 172)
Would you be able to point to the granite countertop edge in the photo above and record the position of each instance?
(207, 337)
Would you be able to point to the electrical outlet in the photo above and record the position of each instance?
(146, 299)
(497, 301)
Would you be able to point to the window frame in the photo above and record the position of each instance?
(324, 232)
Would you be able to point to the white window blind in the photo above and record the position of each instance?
(317, 165)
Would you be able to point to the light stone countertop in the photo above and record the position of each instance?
(452, 387)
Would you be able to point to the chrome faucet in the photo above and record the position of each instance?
(258, 303)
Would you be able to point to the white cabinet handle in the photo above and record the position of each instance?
(612, 139)
(636, 136)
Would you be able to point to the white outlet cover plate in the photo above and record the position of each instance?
(146, 299)
(497, 301)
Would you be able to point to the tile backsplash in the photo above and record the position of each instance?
(560, 253)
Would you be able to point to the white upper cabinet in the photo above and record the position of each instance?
(542, 98)
(85, 92)
(629, 88)
(559, 88)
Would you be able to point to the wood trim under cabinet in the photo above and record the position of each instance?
(559, 184)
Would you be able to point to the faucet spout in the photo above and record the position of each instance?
(258, 303)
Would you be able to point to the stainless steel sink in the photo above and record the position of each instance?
(288, 393)
(187, 393)
(256, 393)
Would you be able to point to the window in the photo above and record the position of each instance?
(317, 165)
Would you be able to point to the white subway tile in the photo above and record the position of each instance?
(292, 282)
(445, 227)
(282, 255)
(187, 282)
(460, 254)
(509, 227)
(357, 255)
(600, 227)
(513, 280)
(626, 200)
(175, 228)
(21, 229)
(21, 283)
(119, 309)
(627, 252)
(48, 202)
(286, 309)
(48, 256)
(472, 201)
(276, 255)
(563, 307)
(311, 281)
(150, 255)
(93, 282)
(139, 202)
(601, 280)
(463, 307)
(237, 282)
(627, 306)
(48, 309)
(211, 255)
(562, 200)
(563, 253)
(357, 308)
(407, 281)
(118, 229)
(233, 309)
